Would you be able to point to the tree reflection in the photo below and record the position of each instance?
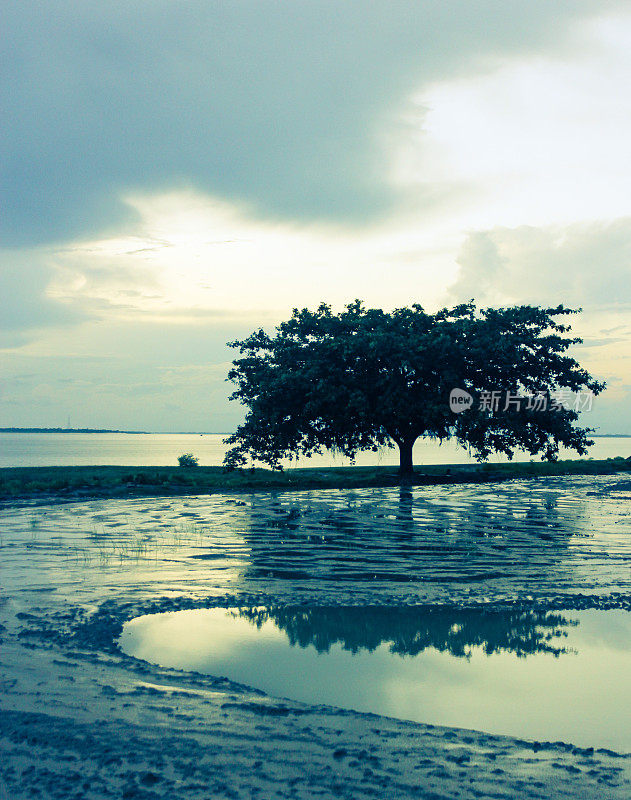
(517, 536)
(410, 630)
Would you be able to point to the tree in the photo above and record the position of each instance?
(188, 460)
(365, 378)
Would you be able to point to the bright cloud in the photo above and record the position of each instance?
(192, 254)
(537, 140)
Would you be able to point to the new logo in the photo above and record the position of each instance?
(459, 400)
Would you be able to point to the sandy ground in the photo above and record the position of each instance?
(79, 719)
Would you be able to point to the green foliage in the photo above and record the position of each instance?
(188, 460)
(365, 378)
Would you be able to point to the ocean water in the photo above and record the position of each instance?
(162, 449)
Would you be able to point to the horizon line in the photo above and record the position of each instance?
(16, 429)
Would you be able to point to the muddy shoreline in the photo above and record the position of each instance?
(81, 719)
(57, 485)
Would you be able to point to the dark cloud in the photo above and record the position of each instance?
(277, 105)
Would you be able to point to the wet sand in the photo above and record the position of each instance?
(80, 719)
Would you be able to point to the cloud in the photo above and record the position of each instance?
(26, 307)
(192, 256)
(279, 106)
(586, 265)
(126, 375)
(181, 172)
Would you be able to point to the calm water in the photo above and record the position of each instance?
(540, 675)
(162, 449)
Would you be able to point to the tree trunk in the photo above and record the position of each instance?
(406, 466)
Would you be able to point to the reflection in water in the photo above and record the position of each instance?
(414, 536)
(426, 545)
(444, 667)
(406, 506)
(409, 631)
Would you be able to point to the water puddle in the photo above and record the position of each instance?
(539, 675)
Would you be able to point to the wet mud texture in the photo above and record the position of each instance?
(79, 719)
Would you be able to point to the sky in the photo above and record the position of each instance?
(178, 173)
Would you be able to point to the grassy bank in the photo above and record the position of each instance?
(71, 482)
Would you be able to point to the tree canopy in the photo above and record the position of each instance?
(366, 378)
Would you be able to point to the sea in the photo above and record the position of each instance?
(162, 449)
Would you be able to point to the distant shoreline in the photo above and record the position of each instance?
(202, 433)
(65, 430)
(108, 430)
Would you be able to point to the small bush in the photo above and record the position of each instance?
(188, 460)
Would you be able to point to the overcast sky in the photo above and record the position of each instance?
(178, 173)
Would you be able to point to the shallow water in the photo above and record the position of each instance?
(430, 544)
(540, 675)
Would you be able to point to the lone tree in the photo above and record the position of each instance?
(365, 378)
